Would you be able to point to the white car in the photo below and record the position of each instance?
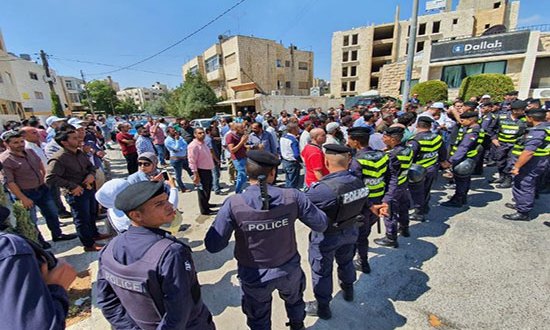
(202, 122)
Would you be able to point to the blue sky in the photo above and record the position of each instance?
(121, 32)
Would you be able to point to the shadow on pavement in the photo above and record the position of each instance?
(222, 294)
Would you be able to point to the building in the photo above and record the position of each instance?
(358, 55)
(10, 101)
(140, 95)
(73, 89)
(114, 85)
(238, 67)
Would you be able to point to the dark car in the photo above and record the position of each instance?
(367, 101)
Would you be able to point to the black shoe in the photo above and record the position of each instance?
(500, 179)
(210, 212)
(295, 325)
(64, 237)
(453, 202)
(510, 206)
(214, 205)
(322, 311)
(386, 241)
(348, 291)
(221, 193)
(404, 231)
(506, 183)
(362, 265)
(517, 217)
(64, 215)
(491, 164)
(46, 245)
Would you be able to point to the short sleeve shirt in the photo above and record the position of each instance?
(314, 160)
(234, 139)
(126, 149)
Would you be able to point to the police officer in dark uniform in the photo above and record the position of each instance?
(487, 121)
(263, 219)
(146, 278)
(429, 151)
(33, 283)
(397, 194)
(509, 127)
(509, 98)
(531, 154)
(465, 152)
(343, 197)
(371, 166)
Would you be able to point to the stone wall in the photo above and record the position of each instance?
(391, 76)
(281, 102)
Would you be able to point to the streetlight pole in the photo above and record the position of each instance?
(410, 55)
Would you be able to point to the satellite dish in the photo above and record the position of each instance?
(496, 29)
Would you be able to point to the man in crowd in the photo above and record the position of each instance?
(290, 155)
(144, 143)
(236, 144)
(128, 147)
(314, 158)
(261, 140)
(177, 147)
(154, 128)
(201, 163)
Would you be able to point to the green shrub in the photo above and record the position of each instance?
(494, 84)
(431, 90)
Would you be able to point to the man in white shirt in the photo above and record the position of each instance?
(32, 141)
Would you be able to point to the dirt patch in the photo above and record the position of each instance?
(78, 292)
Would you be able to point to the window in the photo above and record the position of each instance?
(303, 85)
(419, 46)
(69, 84)
(354, 39)
(302, 65)
(38, 95)
(352, 86)
(345, 56)
(278, 63)
(212, 63)
(344, 87)
(33, 76)
(487, 26)
(346, 40)
(344, 71)
(436, 27)
(74, 98)
(496, 5)
(402, 86)
(194, 70)
(279, 84)
(454, 74)
(287, 84)
(455, 20)
(354, 55)
(421, 29)
(1, 79)
(353, 71)
(287, 64)
(409, 31)
(9, 79)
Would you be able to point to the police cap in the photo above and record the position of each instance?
(426, 119)
(336, 149)
(360, 131)
(263, 158)
(519, 104)
(469, 114)
(394, 130)
(535, 112)
(137, 194)
(487, 104)
(471, 104)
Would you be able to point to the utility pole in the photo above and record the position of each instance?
(110, 98)
(90, 101)
(410, 55)
(57, 108)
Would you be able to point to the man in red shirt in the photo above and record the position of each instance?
(236, 143)
(314, 158)
(128, 147)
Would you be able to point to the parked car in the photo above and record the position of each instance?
(378, 101)
(201, 122)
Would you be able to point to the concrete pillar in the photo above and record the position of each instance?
(234, 109)
(528, 65)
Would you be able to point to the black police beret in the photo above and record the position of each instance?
(360, 131)
(512, 93)
(137, 194)
(394, 130)
(519, 104)
(469, 114)
(336, 149)
(533, 101)
(263, 158)
(471, 104)
(535, 112)
(426, 119)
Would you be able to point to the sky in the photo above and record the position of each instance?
(122, 32)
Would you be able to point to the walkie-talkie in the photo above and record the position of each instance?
(263, 192)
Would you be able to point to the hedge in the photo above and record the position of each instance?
(494, 84)
(431, 90)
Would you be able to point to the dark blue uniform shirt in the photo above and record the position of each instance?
(393, 192)
(468, 143)
(219, 234)
(26, 301)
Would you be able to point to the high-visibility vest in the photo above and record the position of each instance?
(510, 130)
(429, 149)
(542, 151)
(405, 157)
(374, 165)
(463, 130)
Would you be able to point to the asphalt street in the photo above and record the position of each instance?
(462, 269)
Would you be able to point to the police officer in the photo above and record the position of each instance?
(263, 219)
(146, 277)
(531, 160)
(487, 121)
(466, 148)
(429, 152)
(509, 127)
(397, 194)
(371, 166)
(343, 197)
(509, 98)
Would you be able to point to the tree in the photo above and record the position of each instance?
(494, 84)
(103, 96)
(197, 99)
(158, 107)
(57, 109)
(126, 107)
(431, 90)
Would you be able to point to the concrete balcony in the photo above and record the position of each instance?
(216, 75)
(379, 59)
(387, 41)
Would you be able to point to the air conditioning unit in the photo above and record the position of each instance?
(275, 92)
(541, 93)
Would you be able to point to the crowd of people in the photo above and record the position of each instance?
(361, 166)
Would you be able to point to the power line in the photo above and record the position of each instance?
(110, 65)
(176, 43)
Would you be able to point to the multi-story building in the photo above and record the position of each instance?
(141, 95)
(10, 101)
(73, 89)
(359, 55)
(239, 63)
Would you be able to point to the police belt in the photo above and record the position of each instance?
(339, 227)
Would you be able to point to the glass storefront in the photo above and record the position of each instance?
(454, 74)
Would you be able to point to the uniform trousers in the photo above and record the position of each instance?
(323, 250)
(362, 245)
(420, 192)
(462, 186)
(525, 183)
(502, 157)
(399, 212)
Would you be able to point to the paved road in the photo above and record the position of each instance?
(458, 270)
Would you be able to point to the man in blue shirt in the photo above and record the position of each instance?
(177, 147)
(144, 143)
(262, 140)
(290, 154)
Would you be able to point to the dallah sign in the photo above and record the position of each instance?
(498, 44)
